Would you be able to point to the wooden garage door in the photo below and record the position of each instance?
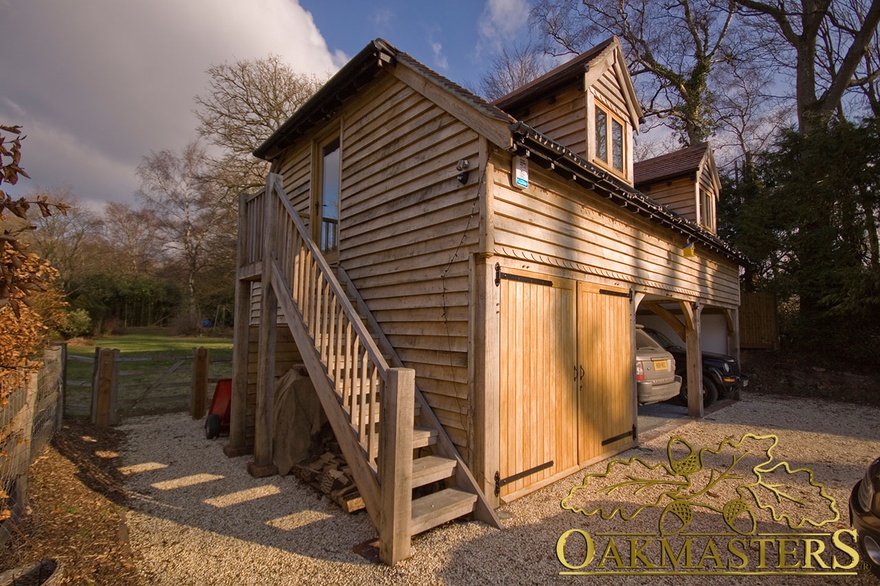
(565, 373)
(538, 391)
(606, 386)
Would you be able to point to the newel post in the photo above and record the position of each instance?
(395, 465)
(262, 464)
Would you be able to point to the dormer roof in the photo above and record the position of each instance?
(687, 162)
(582, 71)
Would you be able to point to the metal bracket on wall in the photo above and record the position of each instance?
(499, 482)
(499, 276)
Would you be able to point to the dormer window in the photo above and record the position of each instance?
(610, 141)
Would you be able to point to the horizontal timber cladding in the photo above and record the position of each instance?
(408, 226)
(679, 195)
(256, 299)
(563, 118)
(295, 168)
(608, 90)
(559, 223)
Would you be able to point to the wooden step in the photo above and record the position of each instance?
(439, 507)
(431, 469)
(423, 436)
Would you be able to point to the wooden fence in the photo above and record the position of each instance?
(758, 321)
(28, 420)
(126, 386)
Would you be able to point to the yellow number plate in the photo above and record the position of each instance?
(661, 365)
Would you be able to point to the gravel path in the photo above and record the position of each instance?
(199, 518)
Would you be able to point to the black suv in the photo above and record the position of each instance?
(721, 374)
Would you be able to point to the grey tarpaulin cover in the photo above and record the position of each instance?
(298, 415)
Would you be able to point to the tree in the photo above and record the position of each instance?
(67, 241)
(132, 237)
(821, 77)
(246, 102)
(510, 69)
(807, 217)
(20, 272)
(23, 274)
(673, 50)
(188, 216)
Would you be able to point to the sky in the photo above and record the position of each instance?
(97, 85)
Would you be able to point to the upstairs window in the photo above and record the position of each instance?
(707, 210)
(329, 238)
(610, 140)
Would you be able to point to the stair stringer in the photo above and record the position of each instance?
(464, 479)
(355, 456)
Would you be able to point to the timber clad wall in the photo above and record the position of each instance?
(678, 195)
(609, 92)
(551, 224)
(563, 117)
(295, 170)
(407, 229)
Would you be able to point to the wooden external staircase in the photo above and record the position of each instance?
(379, 417)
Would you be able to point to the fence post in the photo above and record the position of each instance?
(395, 465)
(62, 387)
(93, 412)
(105, 388)
(22, 459)
(114, 390)
(199, 391)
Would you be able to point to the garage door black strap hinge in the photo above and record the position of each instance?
(499, 482)
(519, 278)
(628, 294)
(621, 436)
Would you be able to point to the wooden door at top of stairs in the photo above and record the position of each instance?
(538, 387)
(605, 364)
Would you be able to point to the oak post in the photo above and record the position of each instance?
(262, 464)
(484, 459)
(199, 390)
(238, 407)
(694, 357)
(104, 387)
(395, 465)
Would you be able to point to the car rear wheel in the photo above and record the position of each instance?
(710, 392)
(869, 551)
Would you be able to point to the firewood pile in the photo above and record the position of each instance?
(326, 470)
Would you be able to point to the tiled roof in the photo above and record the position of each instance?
(450, 86)
(671, 165)
(568, 73)
(359, 71)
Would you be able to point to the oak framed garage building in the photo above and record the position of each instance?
(460, 280)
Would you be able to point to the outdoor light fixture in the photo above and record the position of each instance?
(688, 249)
(462, 166)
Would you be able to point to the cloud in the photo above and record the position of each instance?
(501, 22)
(98, 84)
(381, 18)
(440, 61)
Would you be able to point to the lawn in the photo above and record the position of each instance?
(145, 344)
(155, 371)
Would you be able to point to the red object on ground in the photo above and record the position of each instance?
(221, 404)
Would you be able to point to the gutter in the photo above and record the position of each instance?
(555, 157)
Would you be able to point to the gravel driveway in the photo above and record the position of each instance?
(199, 518)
